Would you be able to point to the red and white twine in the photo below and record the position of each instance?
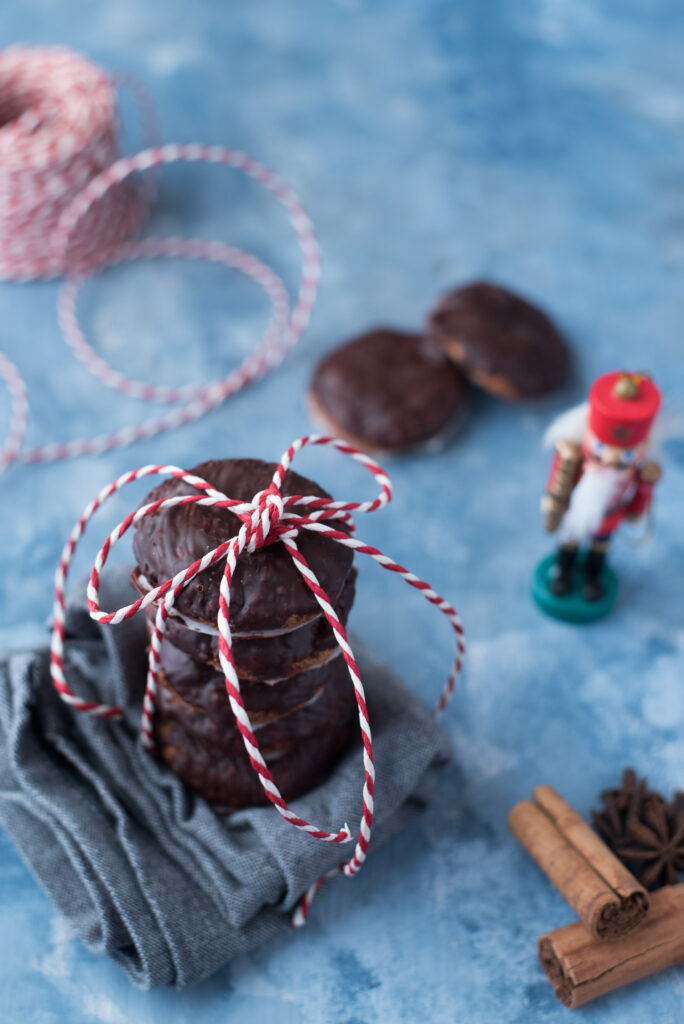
(19, 411)
(67, 207)
(268, 518)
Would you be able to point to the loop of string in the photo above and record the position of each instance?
(269, 518)
(67, 207)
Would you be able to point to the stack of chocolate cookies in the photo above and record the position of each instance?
(294, 684)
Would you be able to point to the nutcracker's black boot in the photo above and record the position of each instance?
(562, 573)
(593, 589)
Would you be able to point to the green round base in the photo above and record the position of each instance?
(573, 607)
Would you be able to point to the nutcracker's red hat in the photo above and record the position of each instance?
(622, 407)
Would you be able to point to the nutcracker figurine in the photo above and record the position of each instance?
(599, 477)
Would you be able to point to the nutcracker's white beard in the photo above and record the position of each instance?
(589, 502)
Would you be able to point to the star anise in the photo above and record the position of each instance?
(643, 830)
(658, 849)
(619, 806)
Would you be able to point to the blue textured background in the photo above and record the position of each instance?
(540, 143)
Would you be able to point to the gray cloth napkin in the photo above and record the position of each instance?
(143, 868)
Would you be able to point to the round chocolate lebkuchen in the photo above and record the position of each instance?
(267, 591)
(500, 341)
(295, 685)
(389, 391)
(300, 749)
(281, 714)
(257, 657)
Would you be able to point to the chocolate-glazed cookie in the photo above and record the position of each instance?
(204, 685)
(267, 591)
(229, 782)
(258, 658)
(388, 391)
(282, 718)
(500, 341)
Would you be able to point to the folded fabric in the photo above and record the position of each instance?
(142, 868)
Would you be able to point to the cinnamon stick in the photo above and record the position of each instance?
(580, 968)
(604, 894)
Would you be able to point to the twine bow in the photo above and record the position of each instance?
(268, 518)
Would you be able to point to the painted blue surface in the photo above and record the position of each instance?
(539, 143)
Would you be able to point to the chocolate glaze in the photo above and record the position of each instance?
(390, 389)
(255, 658)
(500, 341)
(267, 590)
(297, 708)
(228, 780)
(204, 686)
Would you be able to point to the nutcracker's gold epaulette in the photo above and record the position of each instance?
(569, 450)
